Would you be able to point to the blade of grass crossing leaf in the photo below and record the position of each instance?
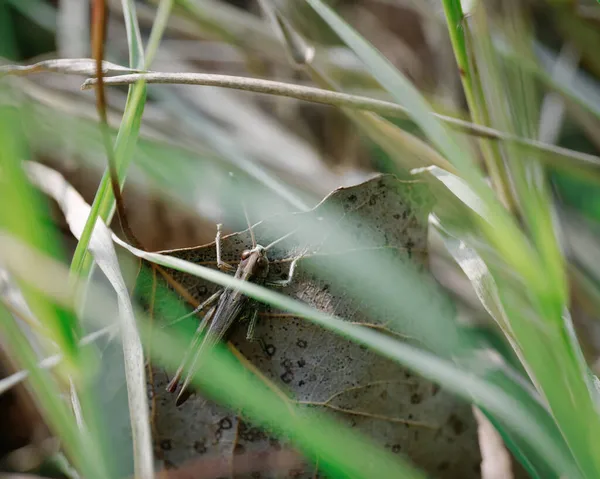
(339, 451)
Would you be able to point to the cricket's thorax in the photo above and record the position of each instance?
(254, 265)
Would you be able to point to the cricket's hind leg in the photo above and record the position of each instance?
(252, 320)
(286, 282)
(205, 304)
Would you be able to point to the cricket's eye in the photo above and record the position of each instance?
(246, 254)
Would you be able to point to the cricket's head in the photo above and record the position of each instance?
(255, 264)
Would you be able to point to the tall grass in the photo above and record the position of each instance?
(497, 214)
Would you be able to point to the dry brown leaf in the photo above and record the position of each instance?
(401, 411)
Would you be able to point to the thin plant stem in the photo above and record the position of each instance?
(557, 156)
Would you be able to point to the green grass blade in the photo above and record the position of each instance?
(473, 89)
(104, 202)
(339, 451)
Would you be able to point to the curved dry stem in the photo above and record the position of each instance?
(326, 97)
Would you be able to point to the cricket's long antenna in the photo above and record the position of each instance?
(249, 224)
(235, 180)
(281, 239)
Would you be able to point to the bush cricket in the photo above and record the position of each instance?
(227, 307)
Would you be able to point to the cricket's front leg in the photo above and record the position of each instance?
(220, 263)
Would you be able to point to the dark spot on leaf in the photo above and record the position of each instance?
(166, 445)
(287, 377)
(416, 398)
(287, 363)
(456, 424)
(407, 375)
(396, 448)
(239, 449)
(435, 388)
(383, 395)
(373, 200)
(202, 290)
(200, 447)
(270, 350)
(396, 216)
(352, 198)
(301, 363)
(225, 424)
(301, 343)
(250, 434)
(301, 383)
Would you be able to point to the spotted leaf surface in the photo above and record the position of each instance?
(349, 240)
